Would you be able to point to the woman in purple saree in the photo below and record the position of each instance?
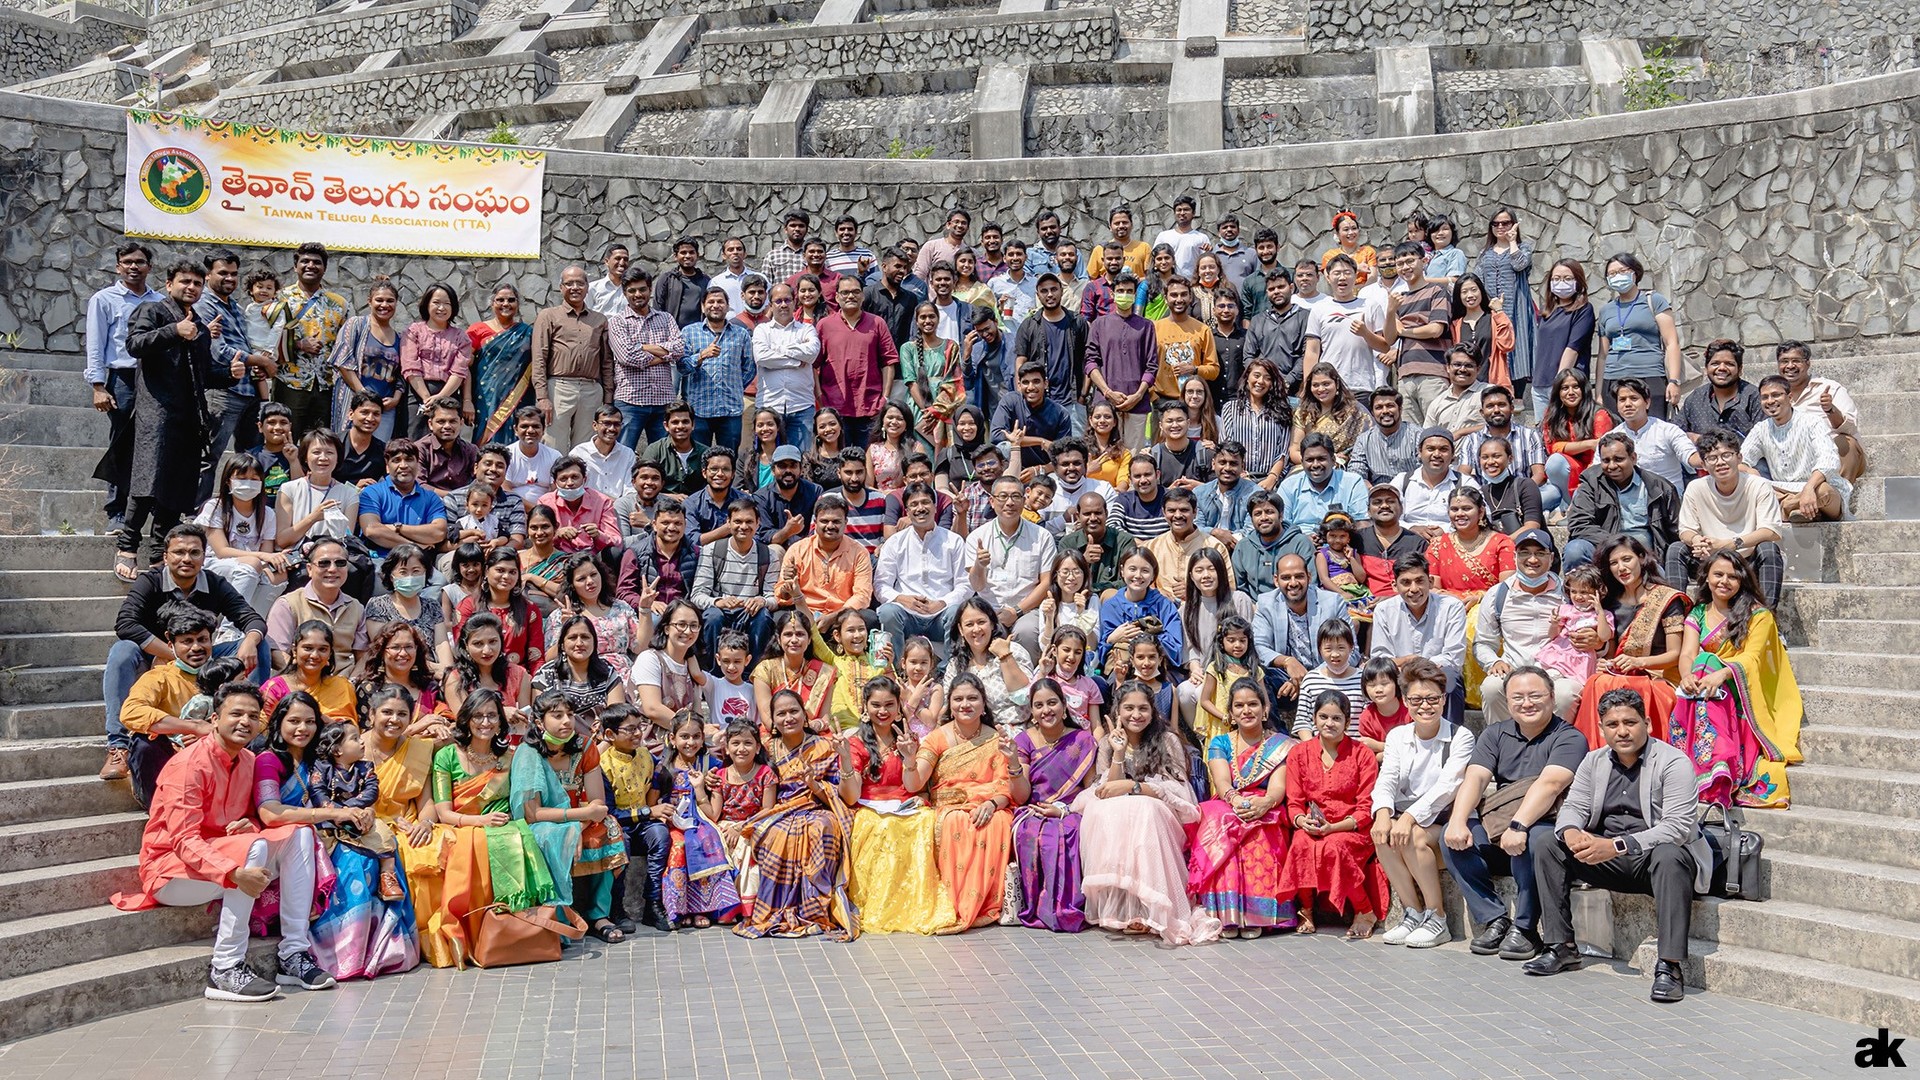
(1056, 759)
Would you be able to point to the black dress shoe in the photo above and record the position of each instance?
(1554, 960)
(1520, 945)
(657, 916)
(1669, 985)
(626, 926)
(1487, 941)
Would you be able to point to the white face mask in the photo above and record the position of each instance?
(572, 494)
(246, 489)
(1563, 288)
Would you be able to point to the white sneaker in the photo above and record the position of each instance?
(1409, 922)
(1433, 931)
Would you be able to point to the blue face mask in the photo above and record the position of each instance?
(1528, 581)
(1499, 477)
(183, 666)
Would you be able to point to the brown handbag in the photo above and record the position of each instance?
(524, 937)
(1498, 808)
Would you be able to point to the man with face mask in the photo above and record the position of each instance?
(1123, 360)
(1515, 619)
(754, 308)
(1620, 498)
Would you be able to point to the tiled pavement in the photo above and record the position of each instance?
(992, 1003)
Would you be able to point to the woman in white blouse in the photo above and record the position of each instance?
(1419, 772)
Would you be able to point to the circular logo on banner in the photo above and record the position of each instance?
(174, 181)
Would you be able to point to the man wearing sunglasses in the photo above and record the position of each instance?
(324, 598)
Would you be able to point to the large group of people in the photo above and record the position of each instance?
(946, 585)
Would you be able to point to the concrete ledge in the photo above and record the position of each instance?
(775, 128)
(1607, 64)
(828, 51)
(1000, 112)
(1403, 80)
(104, 81)
(1196, 119)
(397, 92)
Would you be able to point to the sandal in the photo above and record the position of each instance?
(1307, 927)
(607, 932)
(701, 922)
(126, 566)
(1361, 931)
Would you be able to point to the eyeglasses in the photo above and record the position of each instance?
(683, 626)
(1503, 224)
(1527, 699)
(1425, 701)
(332, 564)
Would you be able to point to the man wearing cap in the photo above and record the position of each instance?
(786, 503)
(1056, 339)
(1123, 358)
(1515, 619)
(1383, 538)
(1318, 486)
(1425, 491)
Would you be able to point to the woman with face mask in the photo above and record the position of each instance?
(240, 533)
(405, 573)
(1638, 337)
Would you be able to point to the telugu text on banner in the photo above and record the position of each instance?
(218, 181)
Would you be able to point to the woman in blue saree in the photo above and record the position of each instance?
(502, 367)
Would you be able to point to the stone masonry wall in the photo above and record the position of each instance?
(1763, 218)
(378, 101)
(1479, 100)
(32, 47)
(353, 33)
(1357, 25)
(1052, 37)
(176, 26)
(103, 82)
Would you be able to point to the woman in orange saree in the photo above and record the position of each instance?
(965, 764)
(1651, 618)
(486, 857)
(800, 845)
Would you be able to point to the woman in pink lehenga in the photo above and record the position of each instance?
(1133, 828)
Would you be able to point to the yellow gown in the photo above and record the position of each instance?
(895, 881)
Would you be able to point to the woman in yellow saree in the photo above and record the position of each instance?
(800, 846)
(895, 877)
(404, 767)
(486, 857)
(965, 766)
(1739, 709)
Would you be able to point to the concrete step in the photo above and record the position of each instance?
(44, 649)
(33, 511)
(46, 890)
(1869, 635)
(1881, 413)
(1863, 376)
(1868, 998)
(1842, 787)
(58, 720)
(1891, 455)
(61, 615)
(63, 797)
(1843, 834)
(1871, 942)
(32, 552)
(40, 686)
(1843, 705)
(58, 584)
(1869, 501)
(1804, 605)
(41, 361)
(57, 467)
(1860, 747)
(70, 840)
(1848, 884)
(28, 386)
(62, 997)
(38, 759)
(1883, 670)
(1870, 568)
(1860, 537)
(46, 942)
(54, 425)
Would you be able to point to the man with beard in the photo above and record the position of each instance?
(1726, 400)
(786, 502)
(1257, 554)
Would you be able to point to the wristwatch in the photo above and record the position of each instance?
(1619, 846)
(1515, 826)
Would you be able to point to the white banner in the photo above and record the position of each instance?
(218, 181)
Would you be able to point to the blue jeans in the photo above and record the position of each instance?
(126, 662)
(1577, 552)
(796, 428)
(1474, 869)
(901, 624)
(641, 420)
(1556, 491)
(717, 431)
(758, 627)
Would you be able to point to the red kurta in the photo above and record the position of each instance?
(1341, 865)
(200, 791)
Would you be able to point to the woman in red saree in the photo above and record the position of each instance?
(1241, 843)
(965, 766)
(1329, 801)
(800, 846)
(1650, 620)
(1467, 562)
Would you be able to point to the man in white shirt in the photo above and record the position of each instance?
(1417, 622)
(729, 280)
(609, 464)
(784, 349)
(1010, 563)
(1728, 510)
(1186, 241)
(1661, 447)
(1425, 491)
(1014, 293)
(1339, 332)
(1514, 620)
(1070, 479)
(920, 577)
(530, 460)
(608, 294)
(1798, 451)
(1824, 400)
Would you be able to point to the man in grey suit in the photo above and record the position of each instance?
(1628, 824)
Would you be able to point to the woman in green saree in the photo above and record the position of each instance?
(502, 367)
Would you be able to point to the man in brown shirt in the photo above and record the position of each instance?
(572, 363)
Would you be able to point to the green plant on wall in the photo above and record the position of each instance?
(502, 135)
(1653, 85)
(897, 149)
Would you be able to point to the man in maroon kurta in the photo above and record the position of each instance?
(856, 365)
(202, 844)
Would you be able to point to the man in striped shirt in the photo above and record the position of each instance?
(866, 508)
(735, 581)
(1140, 511)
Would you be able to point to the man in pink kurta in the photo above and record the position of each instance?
(856, 365)
(202, 844)
(584, 517)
